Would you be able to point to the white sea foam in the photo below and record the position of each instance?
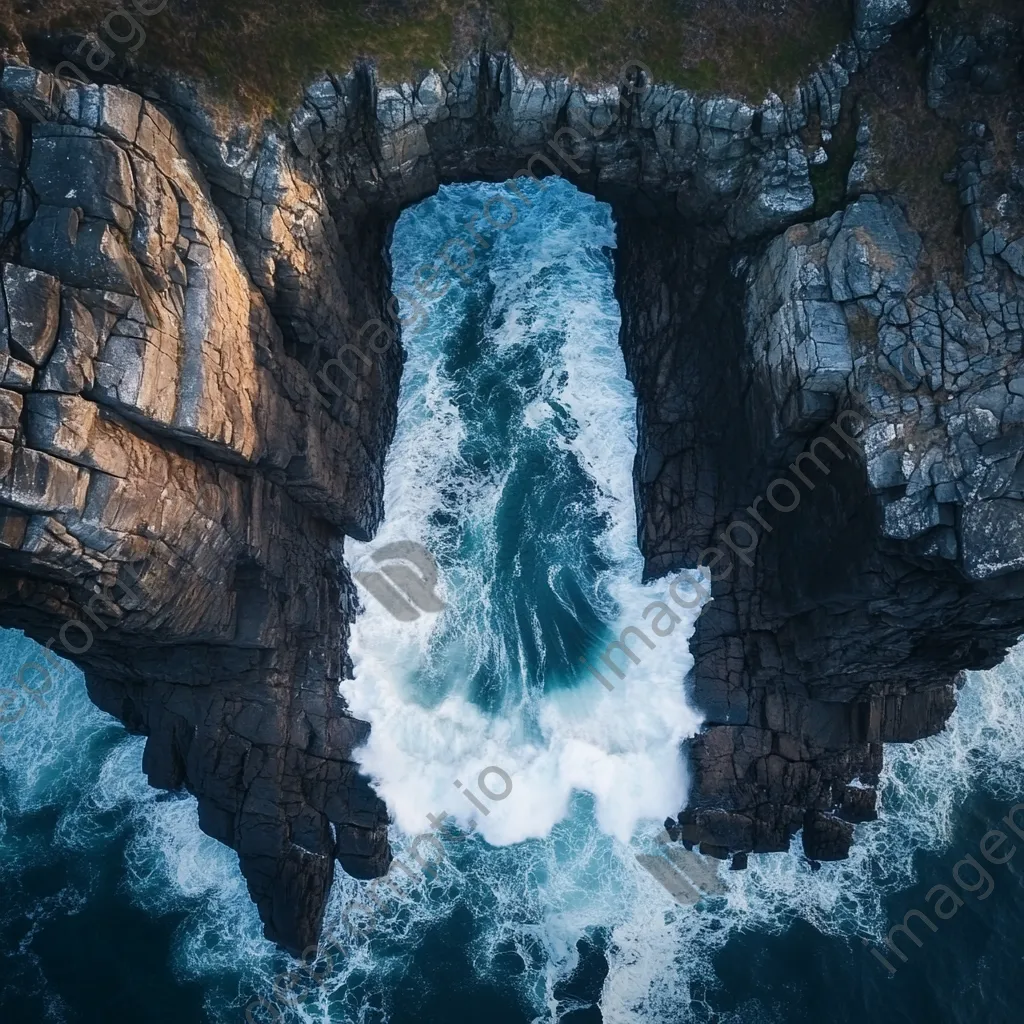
(657, 969)
(64, 752)
(622, 746)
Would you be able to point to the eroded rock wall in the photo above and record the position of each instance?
(886, 564)
(167, 487)
(842, 614)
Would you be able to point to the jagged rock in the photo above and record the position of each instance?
(936, 476)
(826, 837)
(106, 188)
(859, 804)
(156, 433)
(90, 255)
(1013, 256)
(32, 302)
(992, 537)
(10, 414)
(874, 252)
(70, 368)
(18, 376)
(873, 20)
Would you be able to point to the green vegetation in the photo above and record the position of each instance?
(968, 14)
(261, 52)
(731, 45)
(912, 147)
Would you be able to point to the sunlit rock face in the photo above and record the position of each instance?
(200, 367)
(172, 491)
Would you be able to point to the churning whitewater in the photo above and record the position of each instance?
(513, 465)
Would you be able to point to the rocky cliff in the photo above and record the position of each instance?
(199, 386)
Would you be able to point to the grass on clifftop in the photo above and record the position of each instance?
(969, 14)
(261, 52)
(734, 46)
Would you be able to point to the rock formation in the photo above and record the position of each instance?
(173, 502)
(199, 386)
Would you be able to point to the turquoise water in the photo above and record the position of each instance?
(512, 464)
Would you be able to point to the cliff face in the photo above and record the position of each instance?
(196, 413)
(173, 502)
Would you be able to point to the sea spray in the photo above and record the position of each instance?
(513, 464)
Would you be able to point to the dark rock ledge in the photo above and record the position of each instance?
(171, 292)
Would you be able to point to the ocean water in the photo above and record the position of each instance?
(512, 466)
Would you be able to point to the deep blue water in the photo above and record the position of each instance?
(512, 465)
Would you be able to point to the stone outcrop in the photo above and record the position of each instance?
(168, 489)
(900, 560)
(198, 387)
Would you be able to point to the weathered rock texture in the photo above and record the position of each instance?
(168, 487)
(198, 382)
